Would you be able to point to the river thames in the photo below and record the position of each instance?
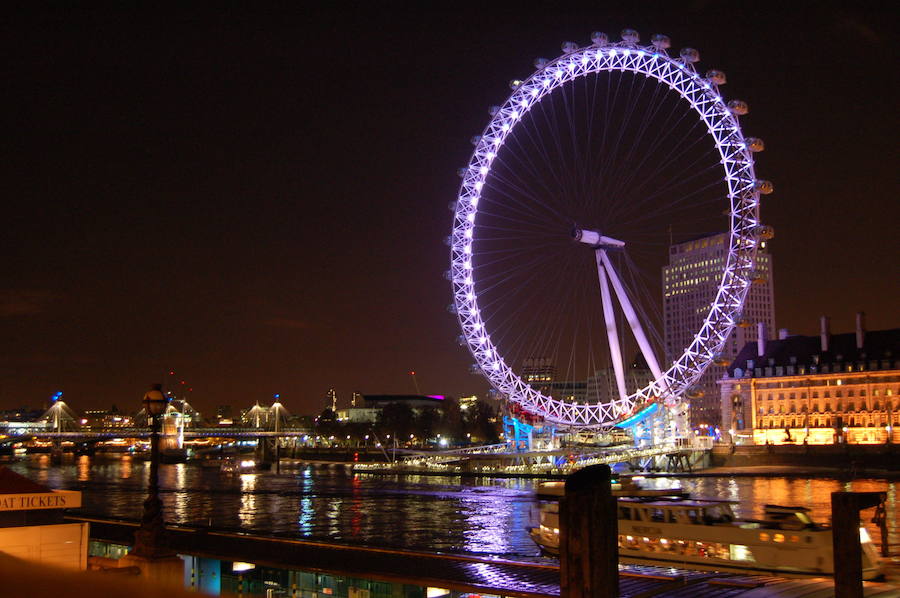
(475, 516)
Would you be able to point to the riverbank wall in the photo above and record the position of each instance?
(854, 459)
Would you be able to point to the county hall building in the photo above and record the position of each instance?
(825, 389)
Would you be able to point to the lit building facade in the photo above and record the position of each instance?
(690, 282)
(358, 415)
(538, 372)
(815, 390)
(102, 418)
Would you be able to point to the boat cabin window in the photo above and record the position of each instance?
(707, 515)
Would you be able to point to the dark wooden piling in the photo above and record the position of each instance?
(845, 508)
(589, 529)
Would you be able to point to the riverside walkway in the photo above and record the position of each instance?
(460, 574)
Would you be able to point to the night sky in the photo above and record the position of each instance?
(258, 200)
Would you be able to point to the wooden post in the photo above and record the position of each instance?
(845, 508)
(589, 530)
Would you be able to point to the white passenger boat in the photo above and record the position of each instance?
(705, 535)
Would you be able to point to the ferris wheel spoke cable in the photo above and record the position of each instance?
(670, 162)
(606, 154)
(656, 103)
(517, 151)
(520, 194)
(654, 106)
(629, 111)
(551, 323)
(581, 157)
(611, 153)
(547, 335)
(649, 155)
(586, 314)
(547, 162)
(676, 201)
(529, 269)
(500, 280)
(513, 218)
(517, 250)
(680, 205)
(661, 166)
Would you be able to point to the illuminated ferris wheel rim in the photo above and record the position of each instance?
(721, 121)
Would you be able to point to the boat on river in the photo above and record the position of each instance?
(624, 486)
(704, 534)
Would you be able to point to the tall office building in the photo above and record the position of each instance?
(689, 283)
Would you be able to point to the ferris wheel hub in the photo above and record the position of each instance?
(595, 239)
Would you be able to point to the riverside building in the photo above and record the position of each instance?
(689, 284)
(32, 526)
(826, 389)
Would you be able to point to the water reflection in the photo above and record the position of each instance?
(83, 466)
(247, 512)
(331, 503)
(181, 498)
(125, 467)
(486, 519)
(307, 512)
(356, 507)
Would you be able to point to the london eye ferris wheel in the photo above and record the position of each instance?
(581, 181)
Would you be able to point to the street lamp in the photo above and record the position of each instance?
(149, 539)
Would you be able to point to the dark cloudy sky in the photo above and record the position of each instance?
(258, 199)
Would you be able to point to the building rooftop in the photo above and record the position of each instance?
(880, 350)
(402, 398)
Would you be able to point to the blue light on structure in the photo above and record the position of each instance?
(277, 396)
(638, 417)
(57, 396)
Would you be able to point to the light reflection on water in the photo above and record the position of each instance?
(330, 503)
(83, 464)
(247, 512)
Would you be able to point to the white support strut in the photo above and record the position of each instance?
(631, 316)
(609, 317)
